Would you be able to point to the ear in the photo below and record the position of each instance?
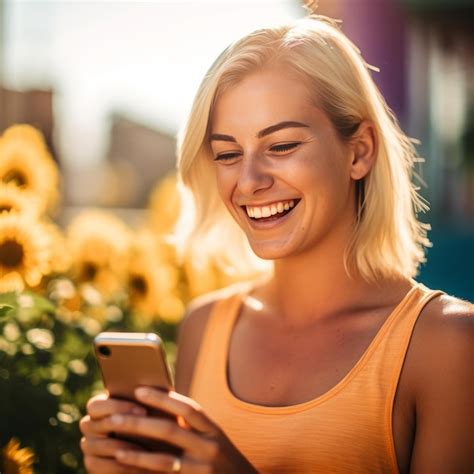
(364, 148)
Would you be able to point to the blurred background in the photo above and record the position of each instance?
(88, 192)
(110, 84)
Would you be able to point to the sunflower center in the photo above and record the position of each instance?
(11, 253)
(89, 270)
(16, 177)
(138, 285)
(5, 207)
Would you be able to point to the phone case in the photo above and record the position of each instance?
(129, 360)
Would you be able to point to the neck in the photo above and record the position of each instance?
(315, 285)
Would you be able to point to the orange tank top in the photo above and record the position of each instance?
(346, 430)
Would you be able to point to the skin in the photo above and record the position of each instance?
(292, 351)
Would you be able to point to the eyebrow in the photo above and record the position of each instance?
(262, 133)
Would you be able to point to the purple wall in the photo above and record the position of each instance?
(378, 28)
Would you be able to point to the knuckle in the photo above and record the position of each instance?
(84, 444)
(84, 424)
(97, 399)
(90, 403)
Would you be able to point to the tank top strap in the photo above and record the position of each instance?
(213, 346)
(379, 376)
(394, 343)
(389, 347)
(393, 347)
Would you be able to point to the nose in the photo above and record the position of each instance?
(253, 175)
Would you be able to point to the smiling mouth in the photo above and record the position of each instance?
(271, 212)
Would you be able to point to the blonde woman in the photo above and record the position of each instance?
(336, 359)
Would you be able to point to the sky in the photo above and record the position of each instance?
(142, 59)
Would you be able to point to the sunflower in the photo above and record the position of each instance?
(60, 258)
(153, 280)
(17, 460)
(25, 133)
(99, 244)
(13, 200)
(164, 205)
(26, 163)
(25, 252)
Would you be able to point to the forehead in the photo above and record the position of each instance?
(261, 99)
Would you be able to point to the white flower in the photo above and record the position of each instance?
(41, 338)
(11, 331)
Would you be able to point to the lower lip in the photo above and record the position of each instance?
(264, 224)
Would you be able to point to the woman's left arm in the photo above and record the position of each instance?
(444, 389)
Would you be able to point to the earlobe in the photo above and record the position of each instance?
(364, 150)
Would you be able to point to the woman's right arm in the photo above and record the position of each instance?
(99, 449)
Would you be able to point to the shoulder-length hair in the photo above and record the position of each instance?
(388, 240)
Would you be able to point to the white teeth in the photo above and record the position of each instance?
(271, 210)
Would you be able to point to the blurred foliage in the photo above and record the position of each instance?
(48, 372)
(59, 288)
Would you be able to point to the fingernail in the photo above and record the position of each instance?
(116, 419)
(142, 392)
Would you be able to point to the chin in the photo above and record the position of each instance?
(271, 252)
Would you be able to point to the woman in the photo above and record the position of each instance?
(336, 360)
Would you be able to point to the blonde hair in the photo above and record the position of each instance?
(388, 239)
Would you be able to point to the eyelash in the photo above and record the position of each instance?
(284, 146)
(277, 148)
(225, 156)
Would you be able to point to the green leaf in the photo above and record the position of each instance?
(9, 298)
(5, 309)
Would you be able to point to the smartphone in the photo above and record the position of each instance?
(128, 360)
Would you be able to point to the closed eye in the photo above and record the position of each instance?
(284, 147)
(226, 156)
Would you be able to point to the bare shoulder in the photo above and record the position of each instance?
(439, 369)
(444, 329)
(441, 344)
(191, 332)
(446, 319)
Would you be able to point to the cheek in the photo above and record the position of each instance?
(225, 182)
(310, 173)
(324, 178)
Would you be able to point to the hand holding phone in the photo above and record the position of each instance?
(129, 360)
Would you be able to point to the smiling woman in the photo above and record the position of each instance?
(299, 162)
(386, 195)
(337, 360)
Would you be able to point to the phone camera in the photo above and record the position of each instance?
(104, 350)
